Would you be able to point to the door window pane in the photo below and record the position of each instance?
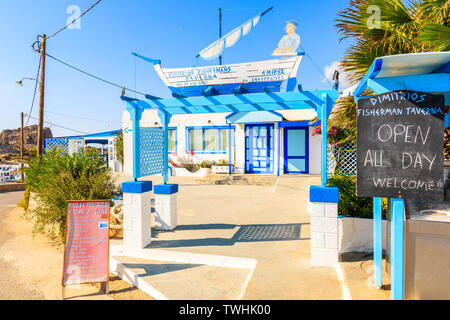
(296, 143)
(195, 140)
(211, 139)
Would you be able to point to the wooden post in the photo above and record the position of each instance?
(40, 137)
(21, 146)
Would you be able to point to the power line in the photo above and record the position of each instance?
(93, 76)
(56, 125)
(82, 118)
(317, 67)
(35, 90)
(74, 19)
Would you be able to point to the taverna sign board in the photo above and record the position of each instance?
(400, 146)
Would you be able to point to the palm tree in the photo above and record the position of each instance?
(404, 27)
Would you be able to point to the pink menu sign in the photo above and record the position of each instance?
(86, 253)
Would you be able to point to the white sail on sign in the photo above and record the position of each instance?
(215, 49)
(233, 38)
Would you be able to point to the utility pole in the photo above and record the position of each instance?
(220, 31)
(21, 145)
(40, 137)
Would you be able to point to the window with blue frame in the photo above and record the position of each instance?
(208, 139)
(172, 140)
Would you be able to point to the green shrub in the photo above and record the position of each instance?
(349, 204)
(57, 178)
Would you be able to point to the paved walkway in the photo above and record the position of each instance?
(268, 225)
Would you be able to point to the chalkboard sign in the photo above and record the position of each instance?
(400, 137)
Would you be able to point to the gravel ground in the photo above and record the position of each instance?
(31, 266)
(11, 287)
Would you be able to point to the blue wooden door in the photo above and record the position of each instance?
(296, 147)
(259, 148)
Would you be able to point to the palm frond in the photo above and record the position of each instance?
(437, 35)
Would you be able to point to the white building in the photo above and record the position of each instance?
(9, 172)
(263, 142)
(103, 141)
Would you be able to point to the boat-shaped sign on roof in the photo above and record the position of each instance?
(249, 77)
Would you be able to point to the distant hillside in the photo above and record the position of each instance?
(10, 139)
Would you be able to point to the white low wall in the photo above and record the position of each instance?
(182, 172)
(356, 234)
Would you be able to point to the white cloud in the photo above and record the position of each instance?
(329, 71)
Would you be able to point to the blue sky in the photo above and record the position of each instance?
(172, 30)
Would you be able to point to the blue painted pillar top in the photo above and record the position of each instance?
(166, 188)
(323, 194)
(135, 114)
(164, 116)
(136, 186)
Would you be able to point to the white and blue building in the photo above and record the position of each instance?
(103, 141)
(262, 142)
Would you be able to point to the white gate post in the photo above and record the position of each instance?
(166, 206)
(137, 232)
(323, 208)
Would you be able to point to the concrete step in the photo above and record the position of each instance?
(259, 180)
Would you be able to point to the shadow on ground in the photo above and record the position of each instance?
(244, 233)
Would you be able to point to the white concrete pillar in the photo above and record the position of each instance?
(166, 206)
(323, 208)
(137, 232)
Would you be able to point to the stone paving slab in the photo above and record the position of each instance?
(188, 281)
(268, 224)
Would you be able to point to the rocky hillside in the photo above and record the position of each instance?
(10, 139)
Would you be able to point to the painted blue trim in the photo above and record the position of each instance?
(432, 83)
(165, 120)
(153, 61)
(291, 84)
(443, 69)
(166, 188)
(97, 141)
(203, 128)
(136, 186)
(377, 242)
(112, 133)
(447, 120)
(324, 137)
(270, 158)
(256, 115)
(278, 157)
(229, 149)
(304, 123)
(239, 102)
(135, 114)
(224, 89)
(370, 74)
(397, 243)
(323, 194)
(285, 147)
